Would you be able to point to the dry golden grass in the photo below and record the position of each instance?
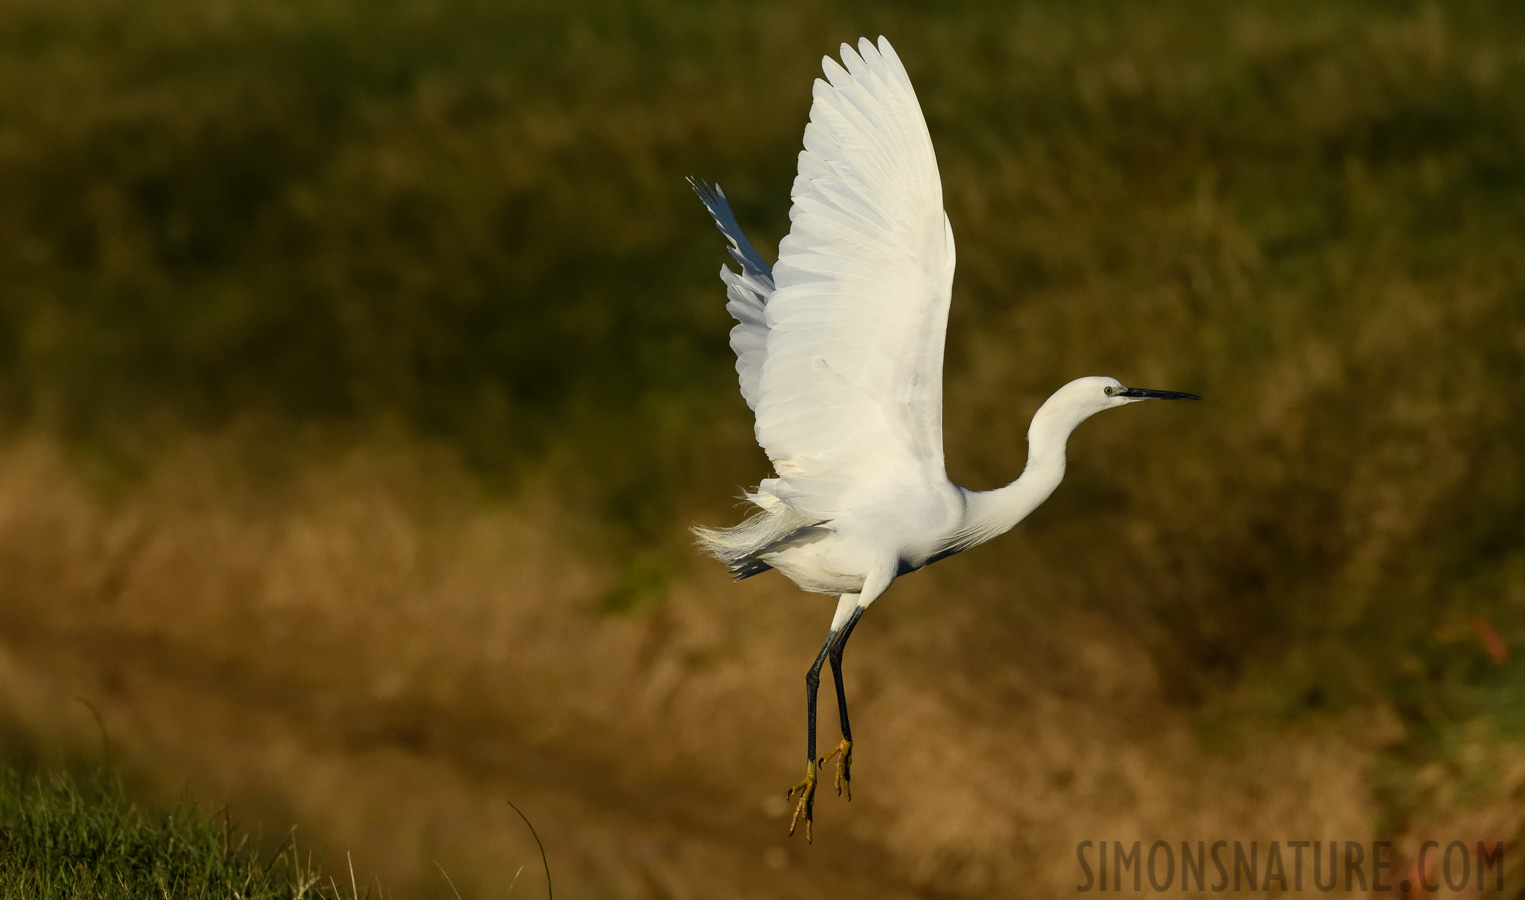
(369, 647)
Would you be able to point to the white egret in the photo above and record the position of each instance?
(839, 347)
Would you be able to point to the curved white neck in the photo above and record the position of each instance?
(991, 513)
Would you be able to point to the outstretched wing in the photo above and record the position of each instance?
(746, 293)
(851, 385)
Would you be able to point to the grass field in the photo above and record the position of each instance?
(362, 365)
(78, 835)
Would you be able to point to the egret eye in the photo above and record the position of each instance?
(1110, 390)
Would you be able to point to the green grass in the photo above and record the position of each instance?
(65, 835)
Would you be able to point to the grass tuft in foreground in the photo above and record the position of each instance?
(64, 835)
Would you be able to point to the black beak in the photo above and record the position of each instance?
(1146, 394)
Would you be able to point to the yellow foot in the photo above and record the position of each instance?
(844, 754)
(806, 789)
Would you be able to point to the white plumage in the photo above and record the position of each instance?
(839, 351)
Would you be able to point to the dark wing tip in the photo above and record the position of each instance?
(748, 567)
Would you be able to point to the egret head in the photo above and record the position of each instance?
(1085, 397)
(1116, 394)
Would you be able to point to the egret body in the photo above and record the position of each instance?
(839, 349)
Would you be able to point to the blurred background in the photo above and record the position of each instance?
(362, 365)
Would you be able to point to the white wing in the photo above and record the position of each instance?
(746, 294)
(851, 386)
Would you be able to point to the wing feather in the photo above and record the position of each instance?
(850, 387)
(746, 292)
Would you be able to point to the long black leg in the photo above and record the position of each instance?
(835, 655)
(844, 749)
(812, 688)
(806, 788)
(832, 650)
